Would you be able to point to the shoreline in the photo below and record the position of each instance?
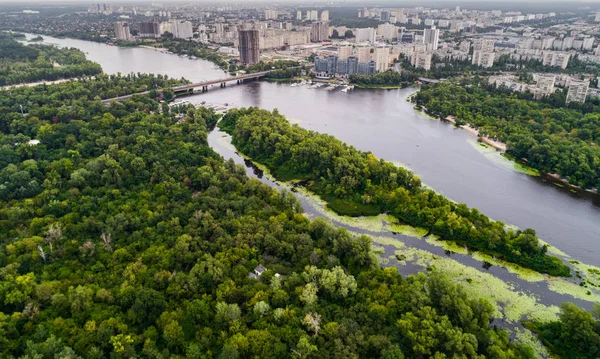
(501, 146)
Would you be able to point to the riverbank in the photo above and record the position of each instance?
(501, 146)
(377, 87)
(33, 84)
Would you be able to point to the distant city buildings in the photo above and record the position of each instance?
(555, 58)
(249, 45)
(271, 14)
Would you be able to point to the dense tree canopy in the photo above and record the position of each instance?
(23, 64)
(548, 135)
(127, 236)
(356, 183)
(576, 335)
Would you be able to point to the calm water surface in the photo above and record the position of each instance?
(382, 122)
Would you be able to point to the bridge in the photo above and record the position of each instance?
(189, 88)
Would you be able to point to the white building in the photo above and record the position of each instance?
(431, 37)
(325, 15)
(578, 91)
(483, 58)
(366, 35)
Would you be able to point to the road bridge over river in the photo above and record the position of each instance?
(204, 85)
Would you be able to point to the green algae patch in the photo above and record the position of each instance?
(406, 230)
(387, 241)
(510, 304)
(504, 159)
(521, 167)
(562, 286)
(377, 249)
(447, 245)
(528, 275)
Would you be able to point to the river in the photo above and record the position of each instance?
(381, 121)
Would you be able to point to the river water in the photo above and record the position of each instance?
(381, 121)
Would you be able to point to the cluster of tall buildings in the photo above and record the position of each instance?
(362, 60)
(153, 29)
(103, 9)
(313, 15)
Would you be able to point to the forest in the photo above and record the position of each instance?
(548, 135)
(125, 235)
(356, 183)
(24, 64)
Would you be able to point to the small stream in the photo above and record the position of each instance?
(221, 143)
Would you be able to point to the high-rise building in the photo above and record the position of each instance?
(483, 58)
(299, 15)
(314, 15)
(325, 15)
(319, 31)
(588, 43)
(179, 29)
(382, 56)
(363, 53)
(122, 31)
(149, 30)
(344, 52)
(385, 16)
(249, 46)
(431, 37)
(271, 14)
(578, 91)
(352, 65)
(332, 61)
(421, 60)
(597, 19)
(366, 35)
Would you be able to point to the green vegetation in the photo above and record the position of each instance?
(387, 79)
(23, 64)
(125, 235)
(575, 336)
(198, 50)
(356, 183)
(549, 137)
(282, 69)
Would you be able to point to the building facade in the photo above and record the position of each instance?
(249, 46)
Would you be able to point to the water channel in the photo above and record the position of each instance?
(383, 122)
